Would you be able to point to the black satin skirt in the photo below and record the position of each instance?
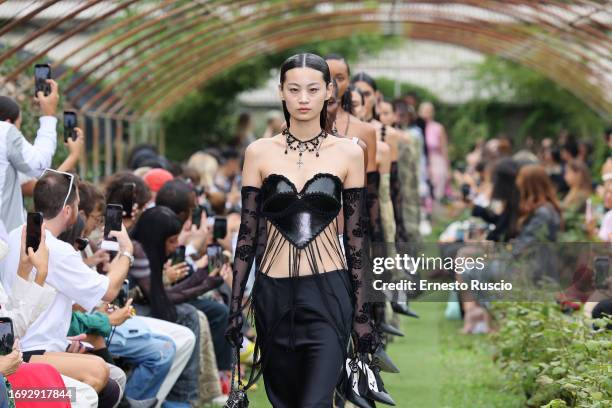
(303, 328)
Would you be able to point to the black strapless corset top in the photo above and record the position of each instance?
(301, 215)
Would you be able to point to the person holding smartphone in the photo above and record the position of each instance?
(56, 197)
(28, 301)
(20, 155)
(124, 187)
(75, 150)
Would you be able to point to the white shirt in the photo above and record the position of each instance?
(73, 281)
(606, 227)
(18, 155)
(27, 302)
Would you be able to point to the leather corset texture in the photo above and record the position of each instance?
(301, 215)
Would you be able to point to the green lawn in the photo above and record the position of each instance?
(439, 368)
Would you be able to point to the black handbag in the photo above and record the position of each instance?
(238, 396)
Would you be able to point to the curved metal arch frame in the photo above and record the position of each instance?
(135, 53)
(575, 29)
(178, 78)
(156, 57)
(561, 79)
(32, 36)
(79, 28)
(485, 44)
(195, 47)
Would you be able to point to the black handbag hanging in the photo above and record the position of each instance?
(237, 397)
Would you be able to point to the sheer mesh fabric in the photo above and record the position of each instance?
(396, 197)
(243, 259)
(261, 238)
(356, 247)
(373, 206)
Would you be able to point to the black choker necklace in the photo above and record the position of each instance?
(311, 145)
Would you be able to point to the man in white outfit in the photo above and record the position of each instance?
(18, 155)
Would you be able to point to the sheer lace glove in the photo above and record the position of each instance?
(396, 197)
(373, 206)
(243, 259)
(355, 245)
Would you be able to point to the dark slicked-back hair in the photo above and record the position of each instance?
(306, 60)
(9, 110)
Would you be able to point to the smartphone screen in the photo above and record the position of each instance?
(41, 73)
(220, 228)
(70, 122)
(112, 222)
(215, 257)
(196, 216)
(602, 271)
(127, 198)
(179, 255)
(33, 230)
(7, 337)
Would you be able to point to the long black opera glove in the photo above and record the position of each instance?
(243, 260)
(396, 198)
(355, 246)
(373, 206)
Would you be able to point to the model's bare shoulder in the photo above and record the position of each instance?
(383, 148)
(350, 150)
(260, 147)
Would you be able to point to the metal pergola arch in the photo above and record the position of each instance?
(569, 42)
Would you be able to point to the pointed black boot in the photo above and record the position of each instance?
(381, 359)
(403, 309)
(389, 329)
(376, 387)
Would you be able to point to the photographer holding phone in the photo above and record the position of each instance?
(75, 150)
(20, 155)
(56, 197)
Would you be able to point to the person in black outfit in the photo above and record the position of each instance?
(506, 191)
(309, 293)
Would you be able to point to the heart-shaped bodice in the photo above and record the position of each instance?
(301, 215)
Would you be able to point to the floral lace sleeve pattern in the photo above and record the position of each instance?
(373, 206)
(400, 229)
(356, 247)
(243, 259)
